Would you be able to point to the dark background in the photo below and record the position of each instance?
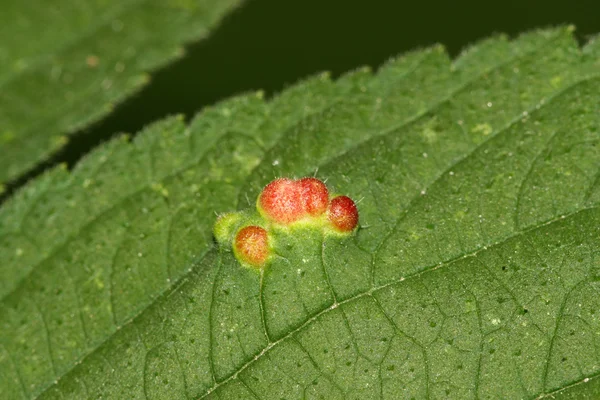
(269, 44)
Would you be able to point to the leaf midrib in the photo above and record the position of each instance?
(447, 262)
(184, 276)
(377, 288)
(551, 394)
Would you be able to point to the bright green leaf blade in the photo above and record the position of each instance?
(210, 327)
(157, 208)
(383, 109)
(67, 63)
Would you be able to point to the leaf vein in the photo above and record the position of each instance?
(370, 292)
(469, 154)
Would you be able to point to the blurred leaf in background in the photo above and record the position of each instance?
(65, 64)
(269, 44)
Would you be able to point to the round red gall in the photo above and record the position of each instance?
(280, 201)
(314, 196)
(342, 214)
(252, 245)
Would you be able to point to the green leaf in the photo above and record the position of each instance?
(474, 274)
(69, 62)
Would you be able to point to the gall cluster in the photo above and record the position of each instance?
(283, 205)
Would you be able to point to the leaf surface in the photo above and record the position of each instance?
(474, 273)
(66, 64)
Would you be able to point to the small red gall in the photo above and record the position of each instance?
(314, 196)
(280, 201)
(342, 214)
(251, 246)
